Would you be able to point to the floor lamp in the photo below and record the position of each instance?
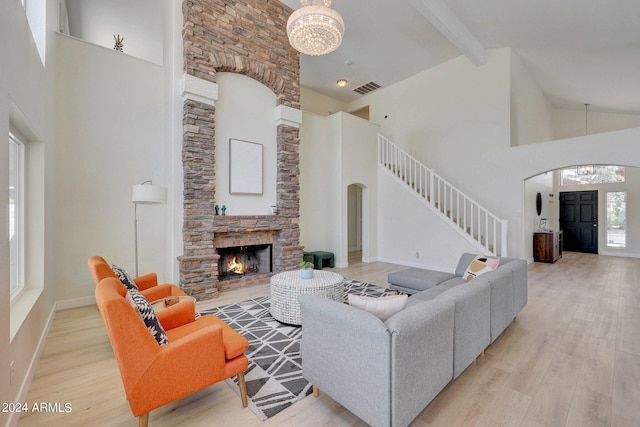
(145, 194)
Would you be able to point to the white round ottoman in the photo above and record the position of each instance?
(285, 288)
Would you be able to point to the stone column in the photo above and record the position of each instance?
(199, 264)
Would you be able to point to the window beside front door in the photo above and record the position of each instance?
(616, 219)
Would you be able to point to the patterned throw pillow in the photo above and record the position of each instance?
(382, 307)
(481, 264)
(124, 277)
(138, 301)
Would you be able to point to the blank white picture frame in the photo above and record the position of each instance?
(245, 167)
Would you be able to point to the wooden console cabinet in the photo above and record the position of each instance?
(547, 246)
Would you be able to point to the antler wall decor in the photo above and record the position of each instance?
(119, 43)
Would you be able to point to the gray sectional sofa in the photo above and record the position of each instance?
(508, 287)
(387, 372)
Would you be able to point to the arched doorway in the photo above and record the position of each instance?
(356, 222)
(611, 228)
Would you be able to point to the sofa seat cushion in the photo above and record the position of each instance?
(234, 343)
(418, 279)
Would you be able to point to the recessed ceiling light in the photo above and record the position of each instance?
(342, 82)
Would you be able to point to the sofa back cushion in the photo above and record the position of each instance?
(432, 293)
(465, 261)
(481, 264)
(382, 307)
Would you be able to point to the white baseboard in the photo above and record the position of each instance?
(74, 303)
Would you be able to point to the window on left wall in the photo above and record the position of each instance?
(16, 214)
(26, 217)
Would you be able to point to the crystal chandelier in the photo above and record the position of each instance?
(315, 29)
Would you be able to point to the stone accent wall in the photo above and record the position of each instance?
(247, 37)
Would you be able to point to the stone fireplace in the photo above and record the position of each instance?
(245, 37)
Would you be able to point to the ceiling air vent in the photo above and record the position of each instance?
(366, 88)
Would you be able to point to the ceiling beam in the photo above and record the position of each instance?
(452, 28)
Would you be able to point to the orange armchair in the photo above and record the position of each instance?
(147, 284)
(199, 353)
(171, 317)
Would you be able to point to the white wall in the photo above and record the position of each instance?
(245, 111)
(320, 185)
(139, 22)
(454, 108)
(110, 128)
(335, 152)
(317, 103)
(173, 133)
(530, 109)
(411, 234)
(26, 84)
(543, 184)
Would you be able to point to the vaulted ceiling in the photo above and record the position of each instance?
(577, 51)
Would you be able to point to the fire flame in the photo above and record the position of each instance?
(235, 266)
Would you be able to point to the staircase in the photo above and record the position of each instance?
(480, 227)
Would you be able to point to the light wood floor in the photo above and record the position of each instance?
(571, 358)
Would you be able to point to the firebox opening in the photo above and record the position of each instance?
(239, 261)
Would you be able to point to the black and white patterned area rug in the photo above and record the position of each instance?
(274, 377)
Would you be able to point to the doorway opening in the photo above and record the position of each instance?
(354, 220)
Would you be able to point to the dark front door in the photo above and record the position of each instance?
(579, 221)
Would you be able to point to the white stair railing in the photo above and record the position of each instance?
(482, 228)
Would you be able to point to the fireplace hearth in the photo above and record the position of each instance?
(241, 261)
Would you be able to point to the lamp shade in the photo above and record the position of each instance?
(148, 194)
